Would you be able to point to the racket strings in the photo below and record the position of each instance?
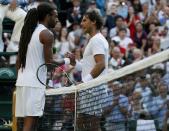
(53, 71)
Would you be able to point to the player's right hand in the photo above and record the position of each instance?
(71, 56)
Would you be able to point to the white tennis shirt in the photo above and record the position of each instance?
(34, 58)
(97, 45)
(92, 101)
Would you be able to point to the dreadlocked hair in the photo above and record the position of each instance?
(31, 20)
(29, 26)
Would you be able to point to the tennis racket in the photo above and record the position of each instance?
(56, 75)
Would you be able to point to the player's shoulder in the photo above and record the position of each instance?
(98, 38)
(46, 35)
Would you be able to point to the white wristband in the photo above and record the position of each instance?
(78, 66)
(87, 78)
(67, 61)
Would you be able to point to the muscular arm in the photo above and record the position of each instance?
(47, 39)
(100, 65)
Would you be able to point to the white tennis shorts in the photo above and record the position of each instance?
(30, 101)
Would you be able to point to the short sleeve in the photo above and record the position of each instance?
(98, 46)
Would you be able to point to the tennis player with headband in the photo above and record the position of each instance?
(35, 49)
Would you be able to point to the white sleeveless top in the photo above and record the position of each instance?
(34, 58)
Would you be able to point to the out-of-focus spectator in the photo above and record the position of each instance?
(56, 47)
(129, 85)
(93, 6)
(166, 9)
(116, 61)
(110, 18)
(122, 9)
(161, 106)
(71, 35)
(77, 70)
(56, 30)
(136, 5)
(137, 106)
(145, 91)
(140, 38)
(153, 30)
(119, 24)
(164, 40)
(131, 20)
(6, 39)
(34, 4)
(123, 40)
(117, 110)
(144, 14)
(101, 6)
(68, 104)
(155, 46)
(62, 7)
(11, 10)
(104, 32)
(75, 12)
(109, 3)
(137, 55)
(162, 15)
(63, 42)
(153, 18)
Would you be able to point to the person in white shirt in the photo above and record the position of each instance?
(120, 23)
(116, 61)
(63, 42)
(94, 64)
(35, 48)
(11, 10)
(123, 39)
(95, 57)
(164, 39)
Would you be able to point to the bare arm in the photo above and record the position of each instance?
(100, 65)
(47, 39)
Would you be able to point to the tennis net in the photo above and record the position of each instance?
(132, 98)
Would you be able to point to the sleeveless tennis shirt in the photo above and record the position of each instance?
(34, 58)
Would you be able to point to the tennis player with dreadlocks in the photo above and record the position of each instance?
(35, 48)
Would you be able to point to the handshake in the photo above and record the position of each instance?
(70, 58)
